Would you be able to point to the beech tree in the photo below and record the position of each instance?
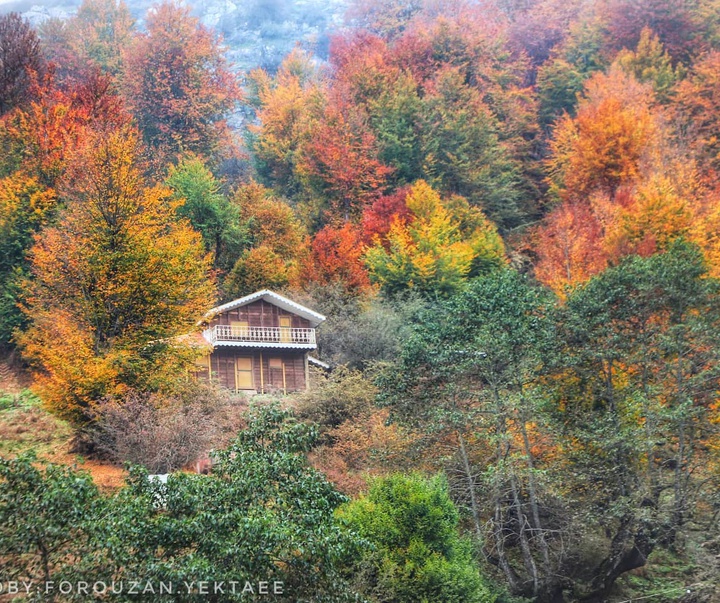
(337, 257)
(602, 148)
(177, 84)
(276, 246)
(113, 283)
(443, 243)
(21, 61)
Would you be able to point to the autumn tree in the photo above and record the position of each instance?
(341, 164)
(387, 19)
(650, 63)
(603, 147)
(288, 107)
(379, 217)
(674, 24)
(37, 141)
(177, 84)
(276, 245)
(337, 256)
(698, 109)
(569, 247)
(444, 243)
(99, 33)
(21, 61)
(114, 283)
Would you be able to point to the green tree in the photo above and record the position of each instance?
(395, 117)
(640, 341)
(208, 210)
(46, 518)
(417, 554)
(25, 208)
(262, 514)
(468, 377)
(462, 153)
(558, 86)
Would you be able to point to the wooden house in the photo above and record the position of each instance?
(260, 343)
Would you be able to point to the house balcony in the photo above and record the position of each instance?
(272, 337)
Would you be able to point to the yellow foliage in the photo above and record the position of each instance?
(114, 283)
(442, 245)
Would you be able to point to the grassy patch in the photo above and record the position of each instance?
(665, 576)
(25, 425)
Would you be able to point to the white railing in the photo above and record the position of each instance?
(260, 334)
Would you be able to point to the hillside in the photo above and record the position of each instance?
(425, 307)
(26, 426)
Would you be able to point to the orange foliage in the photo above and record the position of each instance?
(364, 446)
(278, 247)
(113, 282)
(290, 104)
(706, 230)
(341, 160)
(337, 256)
(569, 247)
(39, 137)
(604, 146)
(698, 108)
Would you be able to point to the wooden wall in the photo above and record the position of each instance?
(268, 379)
(259, 314)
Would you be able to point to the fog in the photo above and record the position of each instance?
(258, 33)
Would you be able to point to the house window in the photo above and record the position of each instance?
(275, 363)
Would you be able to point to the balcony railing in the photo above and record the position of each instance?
(260, 334)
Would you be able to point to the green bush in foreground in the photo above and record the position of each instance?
(264, 514)
(418, 555)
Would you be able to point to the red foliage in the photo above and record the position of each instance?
(41, 136)
(337, 257)
(21, 61)
(342, 161)
(379, 216)
(673, 22)
(569, 246)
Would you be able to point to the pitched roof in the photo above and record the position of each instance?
(273, 298)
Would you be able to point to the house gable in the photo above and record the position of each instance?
(273, 299)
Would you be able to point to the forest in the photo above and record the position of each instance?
(508, 210)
